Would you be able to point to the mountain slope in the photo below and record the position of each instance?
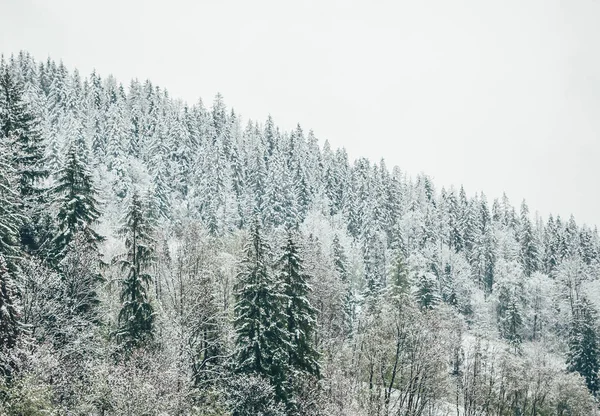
(163, 290)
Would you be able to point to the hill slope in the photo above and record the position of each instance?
(160, 258)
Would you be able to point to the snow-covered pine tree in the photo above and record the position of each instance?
(584, 348)
(20, 128)
(340, 261)
(508, 291)
(399, 283)
(482, 253)
(136, 317)
(301, 316)
(426, 294)
(10, 210)
(76, 199)
(161, 201)
(528, 242)
(551, 245)
(262, 339)
(20, 132)
(454, 222)
(571, 237)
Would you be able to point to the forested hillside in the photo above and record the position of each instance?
(160, 258)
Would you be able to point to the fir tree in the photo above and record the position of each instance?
(399, 286)
(78, 207)
(20, 129)
(20, 132)
(583, 344)
(427, 295)
(262, 343)
(301, 316)
(527, 240)
(136, 317)
(340, 261)
(510, 318)
(10, 212)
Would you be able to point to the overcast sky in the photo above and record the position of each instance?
(496, 95)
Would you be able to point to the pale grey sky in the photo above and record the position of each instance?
(497, 95)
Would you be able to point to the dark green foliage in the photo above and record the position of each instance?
(340, 261)
(19, 132)
(584, 350)
(11, 218)
(427, 295)
(262, 343)
(301, 316)
(399, 284)
(20, 128)
(136, 317)
(78, 207)
(528, 243)
(510, 319)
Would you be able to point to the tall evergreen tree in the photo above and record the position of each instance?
(584, 350)
(136, 317)
(10, 212)
(340, 261)
(427, 294)
(20, 132)
(510, 316)
(78, 207)
(301, 316)
(528, 242)
(399, 283)
(20, 129)
(262, 343)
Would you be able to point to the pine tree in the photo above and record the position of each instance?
(427, 295)
(262, 343)
(136, 317)
(511, 319)
(10, 326)
(551, 243)
(399, 284)
(10, 212)
(454, 222)
(340, 261)
(584, 349)
(301, 316)
(78, 207)
(19, 132)
(528, 243)
(20, 129)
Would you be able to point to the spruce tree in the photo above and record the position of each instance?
(583, 344)
(20, 129)
(20, 132)
(10, 212)
(136, 317)
(341, 267)
(528, 243)
(301, 316)
(510, 318)
(399, 286)
(262, 343)
(78, 207)
(427, 295)
(10, 326)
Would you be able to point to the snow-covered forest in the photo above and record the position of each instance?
(161, 258)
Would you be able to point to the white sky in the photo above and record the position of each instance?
(497, 95)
